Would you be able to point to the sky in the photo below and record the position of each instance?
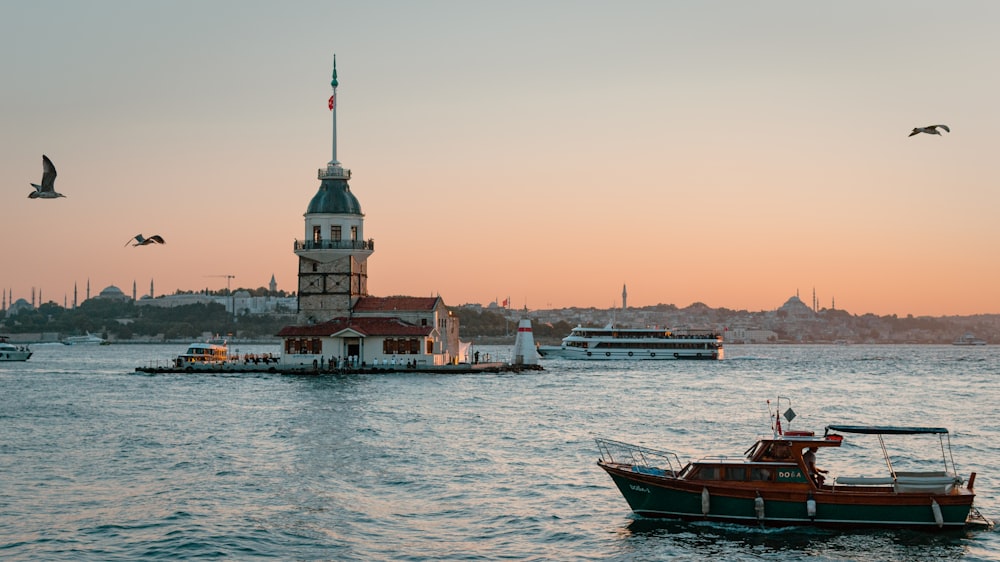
(725, 152)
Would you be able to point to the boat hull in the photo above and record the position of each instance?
(672, 498)
(638, 354)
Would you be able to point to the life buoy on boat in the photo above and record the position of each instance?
(652, 354)
(589, 354)
(607, 354)
(630, 354)
(677, 356)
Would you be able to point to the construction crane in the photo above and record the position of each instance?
(232, 301)
(228, 278)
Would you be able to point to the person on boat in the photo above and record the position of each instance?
(815, 472)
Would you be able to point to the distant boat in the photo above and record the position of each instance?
(968, 339)
(614, 342)
(11, 352)
(89, 339)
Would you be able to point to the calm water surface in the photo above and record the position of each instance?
(100, 463)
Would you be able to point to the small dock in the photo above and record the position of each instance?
(278, 368)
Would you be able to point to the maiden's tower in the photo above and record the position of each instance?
(337, 320)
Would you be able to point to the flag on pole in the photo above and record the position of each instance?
(506, 301)
(330, 103)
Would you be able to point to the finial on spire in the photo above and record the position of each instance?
(334, 83)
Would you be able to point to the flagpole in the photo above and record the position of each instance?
(333, 109)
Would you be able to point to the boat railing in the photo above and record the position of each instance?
(642, 459)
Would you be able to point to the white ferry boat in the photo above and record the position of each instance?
(89, 339)
(613, 342)
(203, 354)
(968, 339)
(11, 352)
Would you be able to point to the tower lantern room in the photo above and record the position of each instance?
(333, 271)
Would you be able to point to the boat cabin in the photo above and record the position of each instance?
(780, 459)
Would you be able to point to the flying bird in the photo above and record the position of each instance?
(142, 241)
(930, 130)
(47, 189)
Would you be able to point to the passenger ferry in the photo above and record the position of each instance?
(614, 342)
(202, 355)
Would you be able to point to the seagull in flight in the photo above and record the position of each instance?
(930, 130)
(47, 189)
(142, 241)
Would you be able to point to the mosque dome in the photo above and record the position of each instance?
(334, 198)
(112, 292)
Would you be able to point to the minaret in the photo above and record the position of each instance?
(151, 288)
(333, 256)
(133, 291)
(74, 294)
(624, 298)
(88, 288)
(272, 286)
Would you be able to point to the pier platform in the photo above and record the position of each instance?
(278, 368)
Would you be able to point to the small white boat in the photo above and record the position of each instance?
(202, 355)
(11, 352)
(968, 339)
(88, 339)
(614, 342)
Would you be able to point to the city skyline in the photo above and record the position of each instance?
(729, 154)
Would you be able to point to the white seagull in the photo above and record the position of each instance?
(47, 189)
(930, 130)
(141, 241)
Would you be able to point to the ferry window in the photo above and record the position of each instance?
(777, 451)
(335, 232)
(736, 473)
(316, 235)
(760, 474)
(708, 473)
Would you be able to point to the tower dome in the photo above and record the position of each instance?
(334, 198)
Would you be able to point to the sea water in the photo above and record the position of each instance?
(98, 462)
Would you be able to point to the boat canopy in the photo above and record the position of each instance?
(885, 429)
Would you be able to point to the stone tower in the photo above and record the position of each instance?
(333, 256)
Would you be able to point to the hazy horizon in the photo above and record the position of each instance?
(727, 153)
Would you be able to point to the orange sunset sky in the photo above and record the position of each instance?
(724, 152)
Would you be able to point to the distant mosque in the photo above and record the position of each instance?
(337, 320)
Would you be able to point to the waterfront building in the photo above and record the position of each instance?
(336, 317)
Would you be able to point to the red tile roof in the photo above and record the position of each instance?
(364, 326)
(396, 304)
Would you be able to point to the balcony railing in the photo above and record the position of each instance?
(335, 244)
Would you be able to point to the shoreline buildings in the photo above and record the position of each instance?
(336, 317)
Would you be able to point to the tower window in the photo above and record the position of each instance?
(335, 233)
(354, 233)
(316, 235)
